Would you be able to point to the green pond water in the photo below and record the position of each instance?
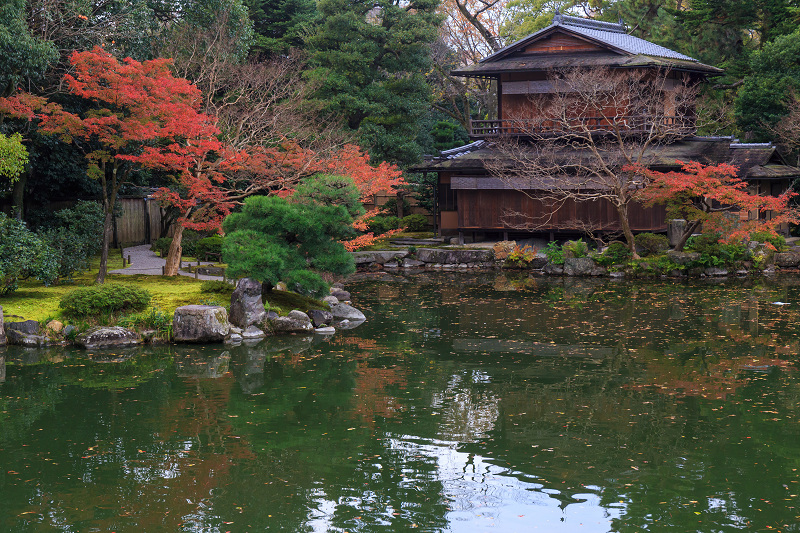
(466, 403)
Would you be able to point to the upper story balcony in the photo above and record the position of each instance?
(661, 126)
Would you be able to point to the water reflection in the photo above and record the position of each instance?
(464, 403)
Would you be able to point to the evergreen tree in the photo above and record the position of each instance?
(280, 24)
(371, 58)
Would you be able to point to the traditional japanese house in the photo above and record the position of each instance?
(475, 195)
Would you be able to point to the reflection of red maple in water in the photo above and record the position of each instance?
(171, 480)
(717, 382)
(370, 396)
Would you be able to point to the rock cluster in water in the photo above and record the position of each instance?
(248, 319)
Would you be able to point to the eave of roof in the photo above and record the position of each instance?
(546, 62)
(756, 162)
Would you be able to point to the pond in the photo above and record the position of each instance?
(466, 402)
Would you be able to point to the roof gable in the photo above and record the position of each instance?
(605, 35)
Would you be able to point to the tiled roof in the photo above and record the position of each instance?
(608, 33)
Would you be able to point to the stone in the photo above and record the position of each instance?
(454, 257)
(501, 249)
(341, 311)
(69, 330)
(234, 338)
(235, 330)
(378, 257)
(319, 317)
(331, 300)
(787, 259)
(675, 229)
(211, 271)
(553, 270)
(271, 314)
(617, 275)
(107, 337)
(341, 294)
(246, 305)
(295, 322)
(327, 330)
(683, 258)
(200, 323)
(578, 266)
(538, 262)
(3, 340)
(19, 338)
(29, 327)
(340, 285)
(252, 332)
(281, 286)
(714, 271)
(412, 263)
(55, 326)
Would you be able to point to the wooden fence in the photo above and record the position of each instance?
(141, 221)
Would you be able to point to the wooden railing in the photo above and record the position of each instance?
(671, 125)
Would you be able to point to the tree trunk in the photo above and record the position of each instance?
(175, 252)
(18, 195)
(400, 196)
(622, 211)
(108, 230)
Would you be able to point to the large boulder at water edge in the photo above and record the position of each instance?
(344, 311)
(25, 334)
(107, 337)
(787, 259)
(246, 305)
(295, 322)
(578, 266)
(319, 317)
(200, 323)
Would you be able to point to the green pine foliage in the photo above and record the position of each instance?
(280, 25)
(326, 189)
(370, 60)
(273, 240)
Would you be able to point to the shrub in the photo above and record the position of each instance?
(714, 253)
(521, 257)
(652, 243)
(389, 209)
(152, 318)
(161, 246)
(617, 253)
(554, 253)
(704, 243)
(100, 300)
(209, 246)
(216, 287)
(414, 223)
(778, 241)
(23, 254)
(379, 225)
(78, 239)
(575, 248)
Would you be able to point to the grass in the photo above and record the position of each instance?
(34, 301)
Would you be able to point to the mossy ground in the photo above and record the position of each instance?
(34, 301)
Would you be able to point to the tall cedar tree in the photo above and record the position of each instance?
(279, 25)
(371, 59)
(140, 115)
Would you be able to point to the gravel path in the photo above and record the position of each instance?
(145, 261)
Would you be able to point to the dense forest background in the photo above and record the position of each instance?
(325, 73)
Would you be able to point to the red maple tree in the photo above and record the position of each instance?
(712, 196)
(137, 114)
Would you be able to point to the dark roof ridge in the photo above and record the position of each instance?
(566, 20)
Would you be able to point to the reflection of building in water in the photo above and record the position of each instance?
(467, 414)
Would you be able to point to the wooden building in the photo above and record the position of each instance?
(482, 190)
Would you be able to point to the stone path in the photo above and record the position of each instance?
(145, 261)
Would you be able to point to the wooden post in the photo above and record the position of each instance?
(163, 270)
(123, 261)
(129, 259)
(196, 275)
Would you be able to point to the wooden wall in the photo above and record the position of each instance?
(495, 209)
